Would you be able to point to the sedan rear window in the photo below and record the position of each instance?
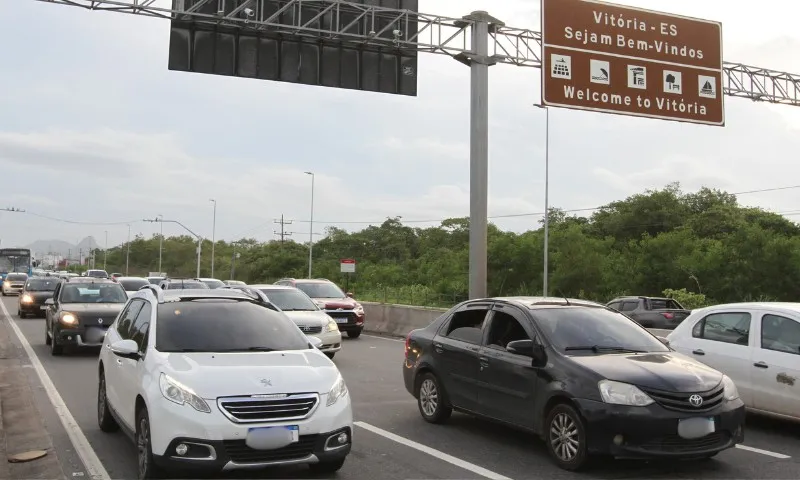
(40, 285)
(214, 325)
(582, 329)
(132, 284)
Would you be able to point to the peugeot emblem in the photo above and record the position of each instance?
(100, 321)
(268, 383)
(696, 400)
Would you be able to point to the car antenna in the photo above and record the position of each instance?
(564, 297)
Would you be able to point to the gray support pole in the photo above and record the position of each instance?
(545, 288)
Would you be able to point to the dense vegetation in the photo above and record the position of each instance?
(702, 246)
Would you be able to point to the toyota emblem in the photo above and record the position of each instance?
(696, 400)
(100, 321)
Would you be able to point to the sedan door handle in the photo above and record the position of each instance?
(698, 352)
(761, 365)
(438, 347)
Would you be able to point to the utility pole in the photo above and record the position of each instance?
(213, 235)
(128, 254)
(283, 234)
(105, 252)
(311, 227)
(160, 243)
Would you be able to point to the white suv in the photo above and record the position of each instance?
(220, 379)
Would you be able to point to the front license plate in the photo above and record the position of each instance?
(272, 438)
(698, 427)
(340, 320)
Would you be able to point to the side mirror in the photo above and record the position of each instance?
(49, 301)
(315, 342)
(521, 347)
(349, 294)
(126, 349)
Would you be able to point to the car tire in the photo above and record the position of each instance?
(55, 349)
(330, 354)
(327, 467)
(354, 333)
(47, 339)
(565, 428)
(146, 465)
(105, 420)
(432, 399)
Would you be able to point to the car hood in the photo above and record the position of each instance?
(213, 375)
(312, 318)
(334, 303)
(93, 307)
(667, 371)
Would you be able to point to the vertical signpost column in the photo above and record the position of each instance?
(348, 267)
(611, 58)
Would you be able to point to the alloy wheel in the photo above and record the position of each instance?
(564, 437)
(429, 397)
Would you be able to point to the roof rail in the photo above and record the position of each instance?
(159, 293)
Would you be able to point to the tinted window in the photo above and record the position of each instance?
(155, 280)
(97, 273)
(141, 325)
(188, 285)
(16, 277)
(225, 326)
(93, 293)
(629, 306)
(127, 318)
(780, 334)
(41, 285)
(467, 325)
(321, 290)
(504, 329)
(664, 304)
(290, 300)
(732, 327)
(132, 284)
(587, 327)
(213, 283)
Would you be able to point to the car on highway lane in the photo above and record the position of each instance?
(80, 312)
(36, 292)
(182, 284)
(341, 306)
(200, 383)
(132, 285)
(306, 314)
(14, 283)
(212, 282)
(756, 344)
(587, 379)
(96, 273)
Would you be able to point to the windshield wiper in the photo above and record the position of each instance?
(600, 348)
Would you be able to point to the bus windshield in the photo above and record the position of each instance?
(15, 260)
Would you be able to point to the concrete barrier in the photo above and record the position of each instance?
(398, 320)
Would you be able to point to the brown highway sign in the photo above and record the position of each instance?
(610, 58)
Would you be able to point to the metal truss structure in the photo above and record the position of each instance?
(411, 30)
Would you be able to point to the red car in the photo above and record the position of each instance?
(348, 313)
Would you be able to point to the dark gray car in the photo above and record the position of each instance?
(651, 312)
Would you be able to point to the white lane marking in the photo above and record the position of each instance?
(763, 452)
(433, 452)
(85, 451)
(383, 338)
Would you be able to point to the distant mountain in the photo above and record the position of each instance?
(62, 248)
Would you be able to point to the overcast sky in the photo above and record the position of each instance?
(95, 129)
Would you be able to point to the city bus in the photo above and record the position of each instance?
(15, 260)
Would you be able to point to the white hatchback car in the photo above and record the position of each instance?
(303, 311)
(219, 379)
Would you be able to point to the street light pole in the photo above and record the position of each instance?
(128, 254)
(213, 235)
(545, 289)
(105, 252)
(160, 244)
(198, 237)
(311, 228)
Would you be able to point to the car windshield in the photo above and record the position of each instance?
(93, 293)
(213, 283)
(664, 304)
(154, 280)
(290, 300)
(186, 285)
(223, 325)
(132, 284)
(40, 285)
(97, 274)
(16, 277)
(590, 330)
(321, 290)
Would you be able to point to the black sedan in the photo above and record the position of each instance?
(586, 379)
(81, 311)
(36, 291)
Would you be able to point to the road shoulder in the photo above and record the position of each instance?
(21, 422)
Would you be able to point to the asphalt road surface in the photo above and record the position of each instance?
(391, 441)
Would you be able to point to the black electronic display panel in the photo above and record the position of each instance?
(200, 44)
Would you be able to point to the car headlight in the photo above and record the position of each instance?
(359, 310)
(619, 393)
(68, 319)
(26, 299)
(731, 392)
(178, 393)
(338, 391)
(6, 284)
(331, 326)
